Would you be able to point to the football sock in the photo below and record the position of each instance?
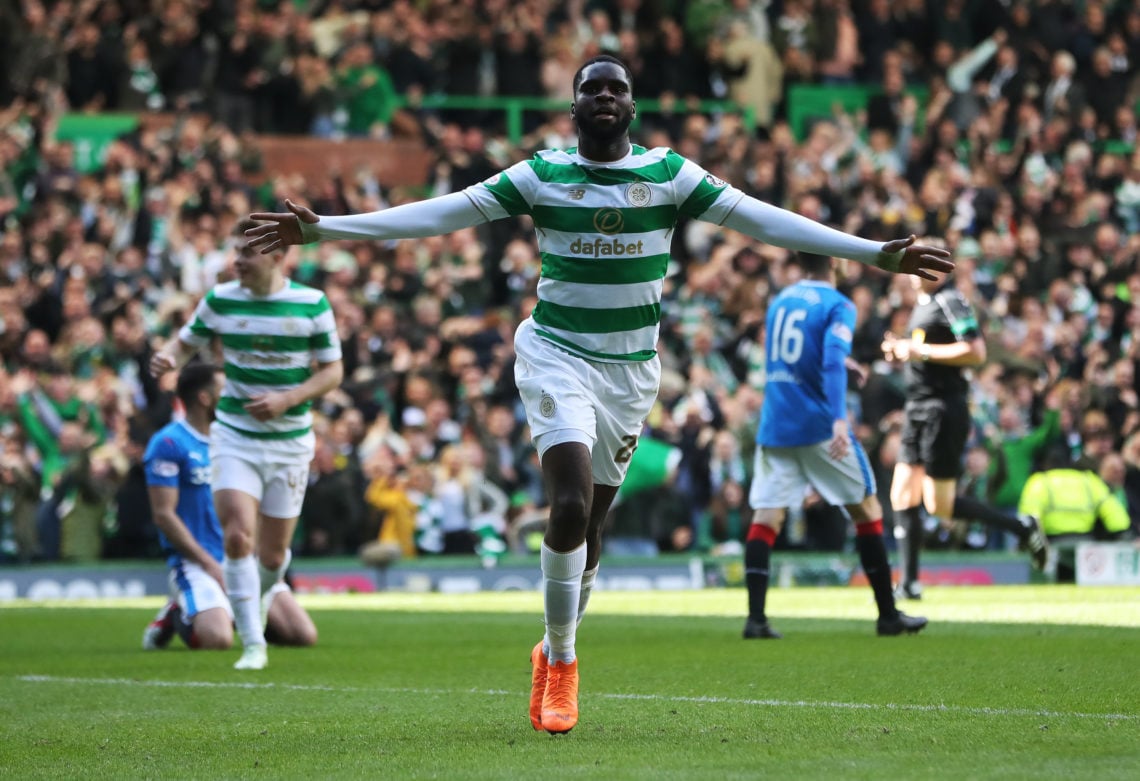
(562, 588)
(757, 553)
(245, 598)
(588, 578)
(270, 576)
(873, 557)
(908, 536)
(970, 509)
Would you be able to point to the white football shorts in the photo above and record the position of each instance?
(782, 475)
(571, 399)
(278, 482)
(196, 591)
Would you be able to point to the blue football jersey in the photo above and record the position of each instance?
(179, 457)
(805, 322)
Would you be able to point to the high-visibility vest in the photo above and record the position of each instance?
(1069, 501)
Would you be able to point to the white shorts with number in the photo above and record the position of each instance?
(783, 474)
(277, 481)
(570, 399)
(196, 591)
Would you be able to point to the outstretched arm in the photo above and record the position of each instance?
(787, 229)
(300, 225)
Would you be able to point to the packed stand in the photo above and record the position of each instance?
(1006, 131)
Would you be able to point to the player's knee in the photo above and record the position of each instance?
(569, 507)
(306, 636)
(297, 633)
(867, 510)
(271, 560)
(214, 638)
(770, 517)
(594, 541)
(238, 542)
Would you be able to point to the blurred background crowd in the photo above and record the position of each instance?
(1005, 128)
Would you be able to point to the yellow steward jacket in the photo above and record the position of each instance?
(399, 523)
(1069, 501)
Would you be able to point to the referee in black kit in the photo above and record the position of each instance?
(944, 343)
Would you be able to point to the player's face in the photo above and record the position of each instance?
(253, 269)
(603, 104)
(215, 394)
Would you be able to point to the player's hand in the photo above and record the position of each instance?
(268, 406)
(281, 229)
(22, 382)
(840, 443)
(922, 260)
(1053, 399)
(214, 570)
(160, 364)
(903, 349)
(856, 372)
(888, 346)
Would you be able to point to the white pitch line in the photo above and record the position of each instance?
(640, 697)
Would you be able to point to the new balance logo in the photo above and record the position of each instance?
(576, 194)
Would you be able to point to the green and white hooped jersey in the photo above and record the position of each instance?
(268, 344)
(604, 231)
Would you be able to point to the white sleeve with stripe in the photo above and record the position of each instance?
(521, 175)
(433, 217)
(787, 229)
(325, 323)
(203, 316)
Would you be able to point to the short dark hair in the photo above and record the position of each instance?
(193, 379)
(813, 264)
(1058, 458)
(601, 58)
(242, 225)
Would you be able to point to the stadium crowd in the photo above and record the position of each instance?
(1007, 129)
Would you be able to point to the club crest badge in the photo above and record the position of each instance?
(638, 194)
(547, 406)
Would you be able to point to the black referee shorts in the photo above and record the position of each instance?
(934, 436)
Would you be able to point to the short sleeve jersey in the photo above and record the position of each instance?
(268, 343)
(604, 232)
(943, 318)
(177, 456)
(803, 322)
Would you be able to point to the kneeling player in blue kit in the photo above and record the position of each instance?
(177, 463)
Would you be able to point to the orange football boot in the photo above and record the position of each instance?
(538, 667)
(560, 705)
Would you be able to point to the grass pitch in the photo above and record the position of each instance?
(1006, 682)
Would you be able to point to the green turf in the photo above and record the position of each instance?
(1032, 682)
